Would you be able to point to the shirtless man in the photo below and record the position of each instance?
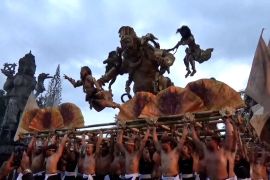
(258, 165)
(70, 158)
(117, 167)
(89, 161)
(186, 163)
(216, 158)
(36, 150)
(53, 158)
(146, 165)
(104, 159)
(132, 156)
(156, 174)
(169, 155)
(242, 164)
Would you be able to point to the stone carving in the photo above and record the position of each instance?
(18, 88)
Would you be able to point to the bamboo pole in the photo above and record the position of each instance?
(137, 125)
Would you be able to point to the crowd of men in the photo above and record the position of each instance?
(148, 156)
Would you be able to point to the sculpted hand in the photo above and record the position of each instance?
(168, 50)
(100, 82)
(66, 77)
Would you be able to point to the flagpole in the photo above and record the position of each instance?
(262, 31)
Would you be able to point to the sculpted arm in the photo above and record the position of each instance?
(96, 83)
(111, 74)
(73, 82)
(178, 44)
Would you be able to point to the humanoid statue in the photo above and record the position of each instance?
(143, 62)
(193, 52)
(95, 95)
(18, 88)
(113, 61)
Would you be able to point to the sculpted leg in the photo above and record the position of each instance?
(186, 61)
(192, 62)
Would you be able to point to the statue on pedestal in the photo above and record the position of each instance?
(18, 88)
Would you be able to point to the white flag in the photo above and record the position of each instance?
(258, 87)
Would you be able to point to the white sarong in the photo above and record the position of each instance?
(133, 176)
(170, 178)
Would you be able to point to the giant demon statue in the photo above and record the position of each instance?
(140, 58)
(18, 88)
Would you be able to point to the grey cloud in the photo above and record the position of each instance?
(63, 35)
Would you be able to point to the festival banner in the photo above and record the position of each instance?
(258, 87)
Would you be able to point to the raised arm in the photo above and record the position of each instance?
(73, 82)
(155, 140)
(143, 142)
(83, 145)
(183, 138)
(242, 146)
(200, 146)
(61, 147)
(179, 43)
(96, 84)
(120, 141)
(229, 135)
(99, 141)
(112, 142)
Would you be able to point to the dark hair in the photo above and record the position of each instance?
(52, 146)
(126, 30)
(87, 69)
(184, 31)
(217, 139)
(165, 139)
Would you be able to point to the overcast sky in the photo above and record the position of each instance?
(75, 33)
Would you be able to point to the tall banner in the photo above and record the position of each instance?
(258, 87)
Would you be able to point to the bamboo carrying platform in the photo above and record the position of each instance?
(206, 120)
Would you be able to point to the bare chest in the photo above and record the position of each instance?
(169, 158)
